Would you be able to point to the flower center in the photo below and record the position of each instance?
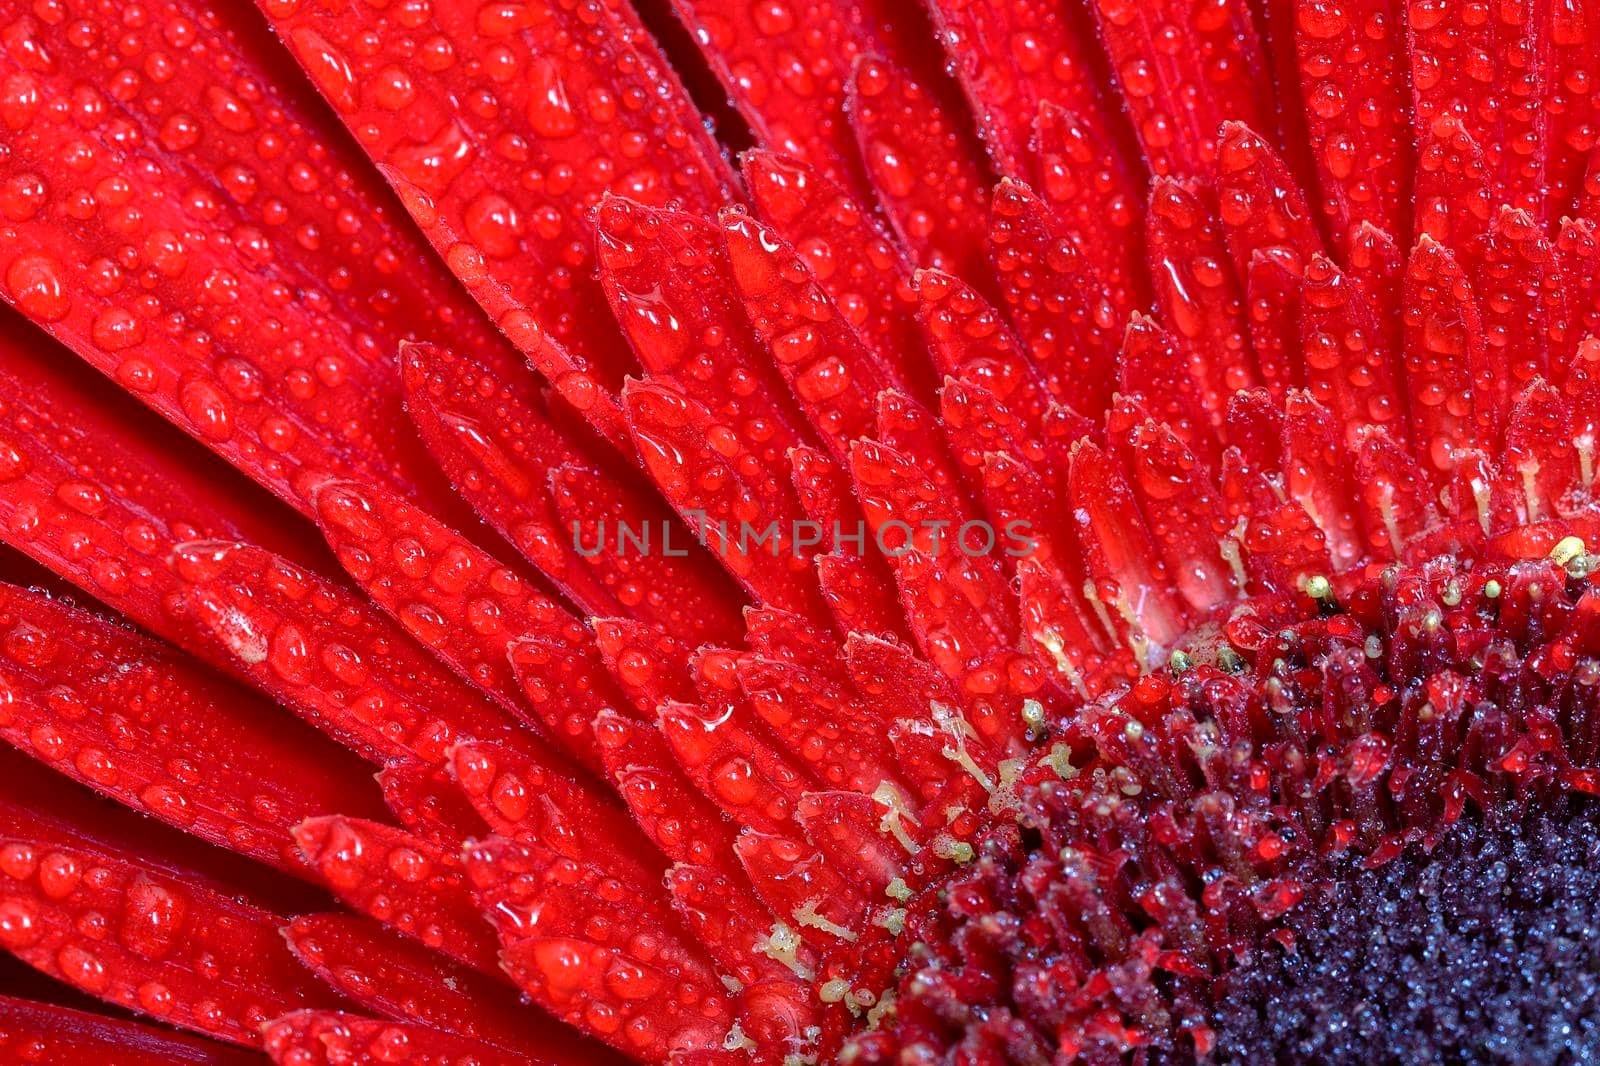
(1486, 950)
(1351, 824)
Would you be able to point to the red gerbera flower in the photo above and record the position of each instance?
(1076, 549)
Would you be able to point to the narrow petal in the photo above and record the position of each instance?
(98, 490)
(1489, 71)
(673, 289)
(495, 443)
(1356, 85)
(1183, 510)
(1259, 202)
(151, 941)
(1010, 58)
(685, 825)
(425, 800)
(1198, 293)
(451, 596)
(43, 1034)
(522, 247)
(325, 1038)
(830, 370)
(926, 173)
(1184, 70)
(1443, 343)
(730, 760)
(333, 658)
(1522, 297)
(542, 802)
(969, 339)
(141, 723)
(402, 881)
(256, 343)
(398, 979)
(566, 684)
(1125, 563)
(1348, 367)
(785, 66)
(596, 955)
(746, 518)
(649, 564)
(1069, 317)
(1454, 194)
(850, 253)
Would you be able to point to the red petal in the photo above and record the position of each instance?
(522, 247)
(1126, 566)
(1569, 100)
(1456, 58)
(1260, 203)
(43, 1034)
(1453, 194)
(1272, 293)
(566, 684)
(1540, 462)
(969, 339)
(685, 825)
(260, 342)
(1084, 177)
(1443, 343)
(324, 1038)
(856, 583)
(1184, 69)
(396, 978)
(1394, 494)
(839, 738)
(828, 367)
(1355, 82)
(152, 941)
(1067, 636)
(957, 599)
(1578, 254)
(849, 828)
(733, 926)
(649, 665)
(1317, 472)
(1068, 315)
(911, 429)
(1349, 368)
(1197, 293)
(850, 254)
(427, 802)
(785, 68)
(142, 724)
(1011, 58)
(329, 655)
(648, 563)
(1157, 375)
(730, 761)
(717, 484)
(672, 288)
(491, 437)
(1185, 514)
(98, 490)
(401, 880)
(925, 170)
(542, 802)
(799, 886)
(597, 955)
(451, 596)
(1521, 294)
